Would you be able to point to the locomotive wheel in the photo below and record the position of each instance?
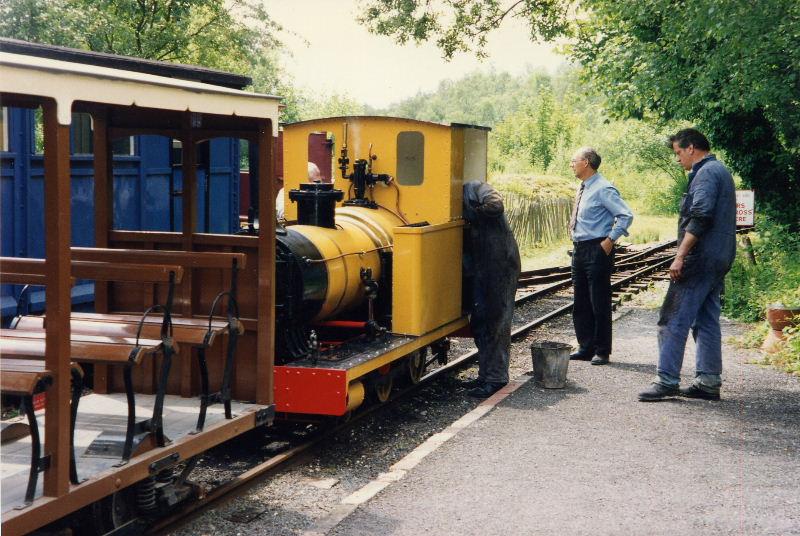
(415, 364)
(382, 383)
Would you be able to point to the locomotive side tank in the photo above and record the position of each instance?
(369, 267)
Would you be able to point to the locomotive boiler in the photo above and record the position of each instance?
(368, 267)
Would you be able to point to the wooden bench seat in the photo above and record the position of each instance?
(25, 378)
(198, 333)
(191, 331)
(30, 344)
(98, 349)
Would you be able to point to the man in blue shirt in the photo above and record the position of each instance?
(706, 249)
(599, 218)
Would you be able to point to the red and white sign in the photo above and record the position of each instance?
(745, 208)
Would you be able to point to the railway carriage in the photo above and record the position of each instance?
(179, 345)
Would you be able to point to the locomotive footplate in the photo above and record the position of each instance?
(326, 386)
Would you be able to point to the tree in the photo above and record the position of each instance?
(731, 69)
(462, 25)
(728, 68)
(214, 33)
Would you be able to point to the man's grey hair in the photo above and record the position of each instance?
(591, 156)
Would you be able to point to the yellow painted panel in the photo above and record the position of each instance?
(431, 201)
(426, 277)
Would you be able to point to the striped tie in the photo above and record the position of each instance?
(573, 220)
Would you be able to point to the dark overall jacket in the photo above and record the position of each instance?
(495, 268)
(708, 211)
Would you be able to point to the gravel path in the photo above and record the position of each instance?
(592, 460)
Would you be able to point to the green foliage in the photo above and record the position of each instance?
(462, 25)
(227, 35)
(727, 67)
(231, 35)
(775, 277)
(330, 106)
(788, 357)
(478, 98)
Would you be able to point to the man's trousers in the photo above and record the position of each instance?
(591, 281)
(691, 303)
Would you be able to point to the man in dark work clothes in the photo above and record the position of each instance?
(494, 264)
(706, 250)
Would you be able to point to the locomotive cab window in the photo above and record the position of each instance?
(410, 158)
(321, 154)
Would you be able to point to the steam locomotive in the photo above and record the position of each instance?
(368, 267)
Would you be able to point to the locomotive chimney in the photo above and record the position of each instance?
(316, 203)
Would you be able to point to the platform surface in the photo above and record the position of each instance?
(97, 413)
(592, 460)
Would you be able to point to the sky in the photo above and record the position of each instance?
(342, 57)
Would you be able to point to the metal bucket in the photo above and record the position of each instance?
(550, 363)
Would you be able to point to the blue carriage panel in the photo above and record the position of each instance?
(223, 186)
(34, 209)
(82, 206)
(144, 196)
(155, 176)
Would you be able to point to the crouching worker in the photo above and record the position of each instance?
(493, 262)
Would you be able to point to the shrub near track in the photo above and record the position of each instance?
(774, 278)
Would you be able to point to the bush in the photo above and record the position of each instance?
(775, 278)
(749, 288)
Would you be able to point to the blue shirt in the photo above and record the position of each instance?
(601, 211)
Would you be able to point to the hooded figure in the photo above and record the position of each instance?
(492, 260)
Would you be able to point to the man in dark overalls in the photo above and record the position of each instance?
(706, 249)
(494, 265)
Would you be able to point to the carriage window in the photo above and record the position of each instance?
(244, 155)
(124, 146)
(410, 157)
(4, 130)
(202, 157)
(38, 131)
(81, 133)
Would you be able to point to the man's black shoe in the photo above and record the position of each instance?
(657, 392)
(486, 390)
(600, 360)
(472, 384)
(581, 355)
(696, 392)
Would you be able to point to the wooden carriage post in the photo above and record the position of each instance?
(265, 358)
(103, 186)
(189, 202)
(57, 198)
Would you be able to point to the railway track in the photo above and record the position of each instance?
(633, 273)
